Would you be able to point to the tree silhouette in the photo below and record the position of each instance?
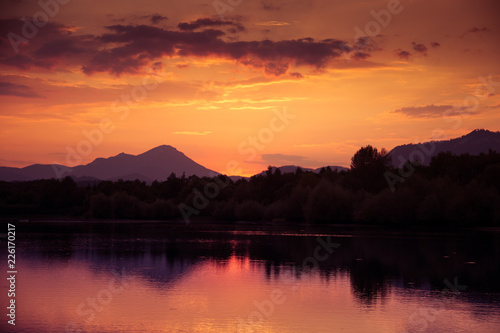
(368, 157)
(369, 165)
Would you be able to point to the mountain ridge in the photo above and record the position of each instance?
(155, 164)
(159, 162)
(474, 143)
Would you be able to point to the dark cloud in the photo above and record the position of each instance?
(59, 47)
(360, 55)
(14, 89)
(366, 44)
(43, 47)
(476, 29)
(157, 18)
(402, 54)
(208, 22)
(421, 48)
(130, 48)
(297, 75)
(433, 111)
(139, 44)
(276, 69)
(23, 62)
(435, 44)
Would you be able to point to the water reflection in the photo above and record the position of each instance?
(157, 278)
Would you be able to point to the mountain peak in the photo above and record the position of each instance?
(480, 132)
(155, 164)
(161, 148)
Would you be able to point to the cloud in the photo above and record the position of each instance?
(475, 30)
(433, 111)
(421, 48)
(297, 75)
(208, 22)
(435, 44)
(51, 46)
(272, 23)
(402, 54)
(366, 44)
(19, 90)
(128, 49)
(140, 44)
(210, 107)
(250, 107)
(192, 133)
(157, 18)
(360, 55)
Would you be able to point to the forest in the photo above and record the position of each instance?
(451, 191)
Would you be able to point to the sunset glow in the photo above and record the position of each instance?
(206, 79)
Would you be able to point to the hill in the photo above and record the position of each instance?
(476, 142)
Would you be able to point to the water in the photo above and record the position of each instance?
(154, 277)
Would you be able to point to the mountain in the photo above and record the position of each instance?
(476, 142)
(155, 164)
(293, 168)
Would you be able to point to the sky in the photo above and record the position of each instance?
(241, 82)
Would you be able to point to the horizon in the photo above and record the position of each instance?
(262, 83)
(347, 166)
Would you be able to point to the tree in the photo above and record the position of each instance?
(369, 165)
(369, 157)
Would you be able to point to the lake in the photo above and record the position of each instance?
(167, 277)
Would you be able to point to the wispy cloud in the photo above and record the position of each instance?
(251, 107)
(210, 107)
(272, 23)
(192, 133)
(475, 30)
(19, 90)
(433, 111)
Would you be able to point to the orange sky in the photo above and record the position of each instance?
(348, 73)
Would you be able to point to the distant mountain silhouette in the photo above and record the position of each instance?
(155, 164)
(158, 163)
(293, 169)
(476, 142)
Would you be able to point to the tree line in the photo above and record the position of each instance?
(452, 191)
